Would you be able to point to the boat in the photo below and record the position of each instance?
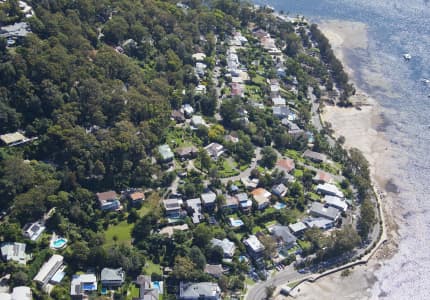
(426, 81)
(407, 56)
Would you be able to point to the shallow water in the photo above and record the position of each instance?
(395, 27)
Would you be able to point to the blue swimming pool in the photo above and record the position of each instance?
(157, 285)
(279, 205)
(236, 223)
(58, 243)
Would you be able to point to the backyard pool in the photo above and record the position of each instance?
(236, 223)
(58, 243)
(158, 285)
(279, 205)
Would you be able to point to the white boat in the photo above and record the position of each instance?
(407, 56)
(426, 81)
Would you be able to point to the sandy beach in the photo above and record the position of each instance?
(362, 128)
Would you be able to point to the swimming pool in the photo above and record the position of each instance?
(279, 205)
(158, 286)
(236, 223)
(58, 243)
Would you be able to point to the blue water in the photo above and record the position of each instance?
(394, 27)
(59, 243)
(279, 205)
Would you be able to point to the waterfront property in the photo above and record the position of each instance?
(315, 156)
(336, 202)
(329, 189)
(320, 210)
(199, 291)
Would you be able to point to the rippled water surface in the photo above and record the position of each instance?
(395, 27)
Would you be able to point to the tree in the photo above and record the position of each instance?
(183, 269)
(268, 158)
(202, 236)
(367, 218)
(269, 245)
(198, 257)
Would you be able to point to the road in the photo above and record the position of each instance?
(247, 172)
(288, 275)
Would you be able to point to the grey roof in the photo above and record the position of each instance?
(279, 189)
(297, 227)
(281, 111)
(20, 29)
(227, 246)
(198, 290)
(322, 210)
(14, 251)
(165, 152)
(321, 223)
(254, 243)
(284, 233)
(21, 293)
(208, 198)
(112, 274)
(215, 270)
(315, 155)
(242, 197)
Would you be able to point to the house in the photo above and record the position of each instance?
(323, 177)
(254, 247)
(298, 228)
(278, 101)
(170, 230)
(329, 189)
(199, 291)
(200, 69)
(214, 270)
(49, 270)
(136, 198)
(215, 150)
(15, 31)
(18, 293)
(208, 201)
(108, 200)
(321, 223)
(315, 156)
(15, 252)
(188, 110)
(285, 164)
(173, 208)
(12, 139)
(177, 116)
(336, 202)
(33, 230)
(82, 285)
(283, 236)
(249, 184)
(231, 138)
(112, 278)
(237, 89)
(320, 210)
(199, 56)
(279, 190)
(262, 197)
(200, 89)
(147, 289)
(166, 153)
(244, 202)
(185, 153)
(197, 121)
(231, 204)
(227, 246)
(196, 206)
(281, 112)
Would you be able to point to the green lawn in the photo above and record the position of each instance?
(228, 168)
(256, 229)
(297, 156)
(268, 224)
(298, 173)
(118, 234)
(150, 268)
(259, 80)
